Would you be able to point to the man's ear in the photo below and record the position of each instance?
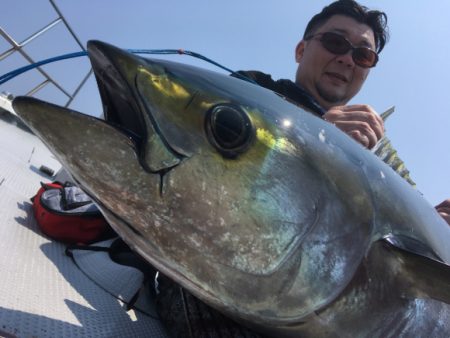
(299, 51)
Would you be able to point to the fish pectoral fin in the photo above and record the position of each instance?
(419, 276)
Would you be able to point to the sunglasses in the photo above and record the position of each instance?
(337, 44)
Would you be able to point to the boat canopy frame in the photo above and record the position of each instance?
(19, 47)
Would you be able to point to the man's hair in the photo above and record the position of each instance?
(376, 20)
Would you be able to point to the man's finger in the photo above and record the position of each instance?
(360, 138)
(443, 204)
(372, 119)
(445, 210)
(363, 108)
(360, 131)
(445, 216)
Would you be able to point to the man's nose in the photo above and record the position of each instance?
(346, 59)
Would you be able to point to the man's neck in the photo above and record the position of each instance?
(325, 105)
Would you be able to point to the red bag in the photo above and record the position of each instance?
(65, 213)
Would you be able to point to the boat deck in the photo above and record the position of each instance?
(42, 291)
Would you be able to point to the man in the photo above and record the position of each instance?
(339, 46)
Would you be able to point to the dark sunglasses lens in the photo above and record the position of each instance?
(365, 57)
(335, 43)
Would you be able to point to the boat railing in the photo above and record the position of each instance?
(18, 47)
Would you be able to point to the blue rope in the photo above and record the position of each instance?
(8, 76)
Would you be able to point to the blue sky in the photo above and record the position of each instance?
(412, 74)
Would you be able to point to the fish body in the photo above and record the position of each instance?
(260, 209)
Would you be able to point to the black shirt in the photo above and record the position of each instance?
(286, 88)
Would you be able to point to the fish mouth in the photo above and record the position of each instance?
(120, 106)
(123, 106)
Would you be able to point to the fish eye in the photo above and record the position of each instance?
(229, 129)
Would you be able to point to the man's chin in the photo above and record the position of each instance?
(332, 97)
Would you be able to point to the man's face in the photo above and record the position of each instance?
(333, 79)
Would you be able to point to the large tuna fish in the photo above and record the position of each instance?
(257, 207)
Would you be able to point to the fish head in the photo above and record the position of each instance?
(253, 204)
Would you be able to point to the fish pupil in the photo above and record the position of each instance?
(228, 126)
(229, 129)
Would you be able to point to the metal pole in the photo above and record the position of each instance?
(67, 24)
(17, 46)
(78, 88)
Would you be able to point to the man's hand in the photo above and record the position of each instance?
(444, 210)
(358, 121)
